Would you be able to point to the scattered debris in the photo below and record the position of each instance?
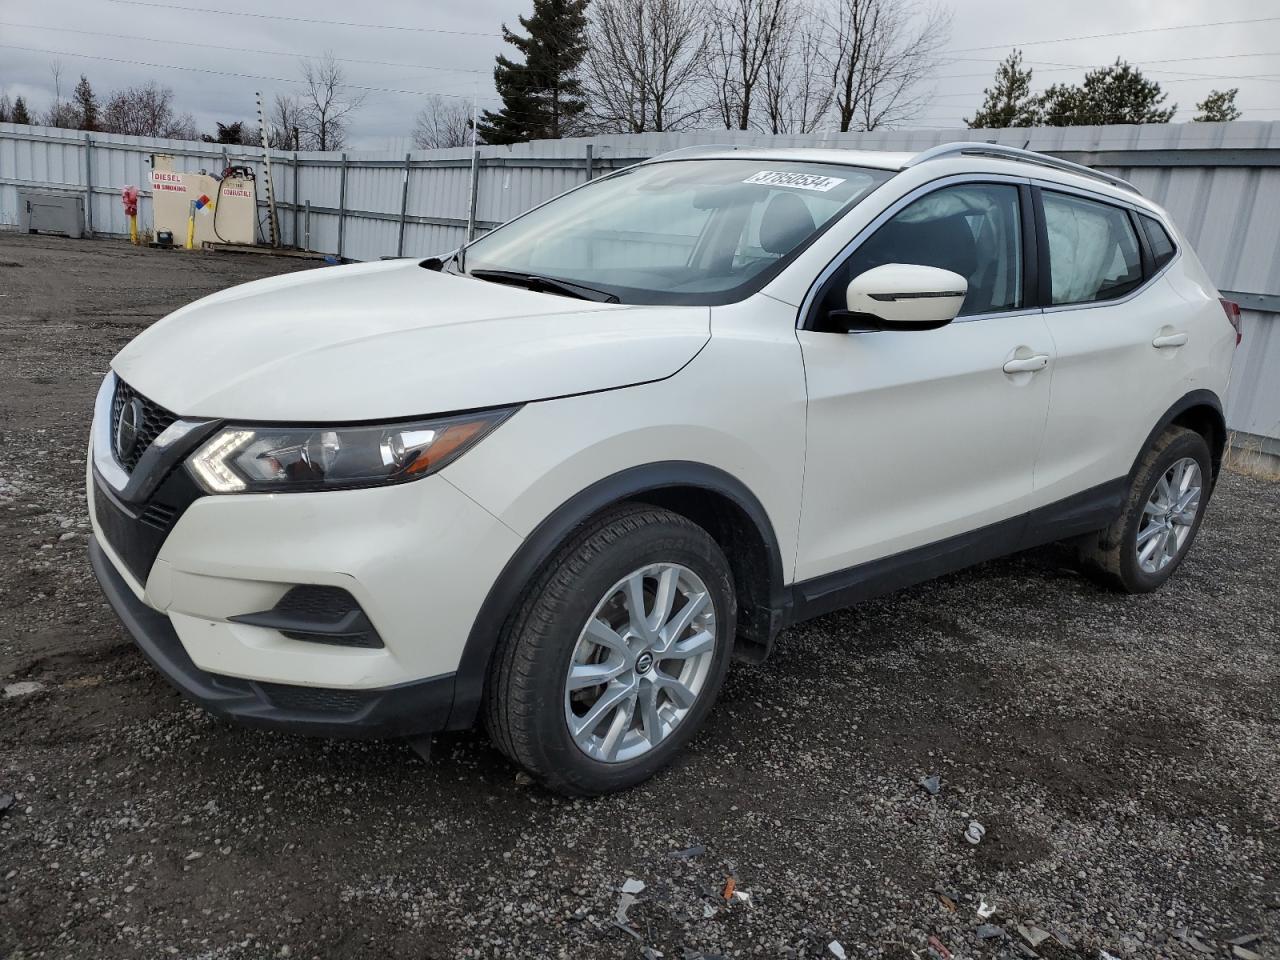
(948, 900)
(630, 888)
(989, 931)
(1244, 953)
(193, 855)
(688, 853)
(743, 896)
(1245, 939)
(1195, 943)
(975, 832)
(632, 885)
(523, 779)
(708, 911)
(729, 886)
(1033, 934)
(1103, 955)
(931, 785)
(650, 954)
(6, 803)
(936, 949)
(22, 688)
(1063, 938)
(985, 910)
(837, 950)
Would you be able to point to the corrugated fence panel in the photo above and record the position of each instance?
(1226, 201)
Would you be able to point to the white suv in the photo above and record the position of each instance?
(558, 479)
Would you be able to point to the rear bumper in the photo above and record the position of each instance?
(402, 710)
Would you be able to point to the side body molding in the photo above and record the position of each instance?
(548, 536)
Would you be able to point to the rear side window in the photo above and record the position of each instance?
(1158, 239)
(1093, 251)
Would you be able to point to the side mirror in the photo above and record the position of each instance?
(900, 296)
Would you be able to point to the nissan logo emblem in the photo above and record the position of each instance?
(128, 423)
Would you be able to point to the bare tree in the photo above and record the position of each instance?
(61, 113)
(326, 103)
(743, 35)
(880, 53)
(146, 111)
(797, 90)
(285, 123)
(442, 122)
(645, 64)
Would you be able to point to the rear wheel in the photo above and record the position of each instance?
(1162, 515)
(617, 653)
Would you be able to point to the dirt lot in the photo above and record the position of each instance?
(1122, 752)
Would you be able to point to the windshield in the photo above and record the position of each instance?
(685, 232)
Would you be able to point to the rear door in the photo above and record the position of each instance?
(1122, 335)
(915, 437)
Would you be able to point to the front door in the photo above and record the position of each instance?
(916, 437)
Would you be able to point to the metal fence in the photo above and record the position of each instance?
(1220, 181)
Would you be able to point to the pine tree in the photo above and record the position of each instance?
(6, 108)
(1115, 94)
(86, 104)
(1218, 107)
(20, 114)
(542, 97)
(1008, 102)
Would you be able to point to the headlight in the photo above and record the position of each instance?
(281, 459)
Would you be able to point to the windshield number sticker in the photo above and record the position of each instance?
(800, 181)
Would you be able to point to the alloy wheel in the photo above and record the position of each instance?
(1169, 515)
(640, 663)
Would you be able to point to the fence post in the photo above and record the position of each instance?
(295, 198)
(404, 206)
(306, 237)
(342, 205)
(590, 163)
(475, 195)
(88, 185)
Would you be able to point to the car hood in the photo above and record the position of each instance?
(392, 339)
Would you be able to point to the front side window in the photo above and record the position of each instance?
(1093, 251)
(682, 231)
(972, 229)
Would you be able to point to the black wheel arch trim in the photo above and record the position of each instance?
(1189, 401)
(630, 484)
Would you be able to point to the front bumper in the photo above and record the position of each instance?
(403, 710)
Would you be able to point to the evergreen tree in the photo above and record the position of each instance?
(1115, 94)
(542, 97)
(1218, 107)
(227, 133)
(86, 104)
(20, 114)
(6, 108)
(1008, 102)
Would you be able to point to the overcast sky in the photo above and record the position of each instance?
(449, 49)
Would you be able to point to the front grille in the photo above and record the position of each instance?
(313, 699)
(154, 421)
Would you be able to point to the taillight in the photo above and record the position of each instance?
(1233, 316)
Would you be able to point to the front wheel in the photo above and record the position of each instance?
(1162, 515)
(617, 653)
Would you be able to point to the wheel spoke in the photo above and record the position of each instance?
(700, 643)
(1164, 492)
(614, 695)
(634, 594)
(592, 674)
(664, 599)
(601, 633)
(681, 695)
(618, 726)
(672, 632)
(1144, 555)
(1149, 531)
(649, 716)
(1170, 546)
(1153, 509)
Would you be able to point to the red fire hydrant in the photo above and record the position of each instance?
(129, 196)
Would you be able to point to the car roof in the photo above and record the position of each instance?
(875, 159)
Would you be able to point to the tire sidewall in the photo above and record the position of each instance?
(1187, 444)
(659, 543)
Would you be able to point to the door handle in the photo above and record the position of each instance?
(1027, 364)
(1169, 340)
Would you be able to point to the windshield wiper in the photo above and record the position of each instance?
(544, 285)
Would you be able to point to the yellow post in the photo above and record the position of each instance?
(133, 229)
(191, 226)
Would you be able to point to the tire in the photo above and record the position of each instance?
(1114, 556)
(588, 584)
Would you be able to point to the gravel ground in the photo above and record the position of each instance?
(1121, 752)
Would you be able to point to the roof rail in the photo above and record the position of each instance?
(695, 151)
(999, 151)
